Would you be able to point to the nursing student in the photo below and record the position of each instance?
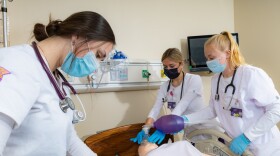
(182, 93)
(34, 119)
(243, 97)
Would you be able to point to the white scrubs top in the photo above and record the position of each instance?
(192, 100)
(257, 109)
(29, 99)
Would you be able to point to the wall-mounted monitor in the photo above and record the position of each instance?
(196, 58)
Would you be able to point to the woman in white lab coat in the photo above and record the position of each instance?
(243, 98)
(34, 119)
(182, 93)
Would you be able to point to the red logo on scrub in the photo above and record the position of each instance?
(171, 93)
(3, 72)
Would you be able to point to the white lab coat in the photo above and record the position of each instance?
(29, 99)
(256, 95)
(192, 101)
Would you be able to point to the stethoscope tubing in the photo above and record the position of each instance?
(182, 87)
(50, 76)
(217, 96)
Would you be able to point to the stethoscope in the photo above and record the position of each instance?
(217, 96)
(168, 88)
(65, 102)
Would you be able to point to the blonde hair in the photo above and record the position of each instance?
(224, 41)
(174, 54)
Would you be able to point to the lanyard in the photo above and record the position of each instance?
(182, 87)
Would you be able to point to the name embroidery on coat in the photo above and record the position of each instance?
(3, 72)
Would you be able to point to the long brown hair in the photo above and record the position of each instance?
(174, 54)
(86, 24)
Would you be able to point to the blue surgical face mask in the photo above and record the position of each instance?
(80, 67)
(215, 66)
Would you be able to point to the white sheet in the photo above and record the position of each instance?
(179, 148)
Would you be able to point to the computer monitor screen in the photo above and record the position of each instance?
(196, 58)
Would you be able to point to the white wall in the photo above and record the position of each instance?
(144, 30)
(258, 23)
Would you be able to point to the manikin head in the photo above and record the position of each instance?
(144, 149)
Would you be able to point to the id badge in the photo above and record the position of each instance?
(171, 105)
(236, 112)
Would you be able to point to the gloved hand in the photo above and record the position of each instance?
(157, 136)
(186, 120)
(239, 144)
(139, 137)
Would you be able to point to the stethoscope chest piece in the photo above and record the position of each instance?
(217, 96)
(65, 104)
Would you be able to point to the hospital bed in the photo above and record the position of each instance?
(217, 143)
(116, 141)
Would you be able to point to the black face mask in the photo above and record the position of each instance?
(171, 73)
